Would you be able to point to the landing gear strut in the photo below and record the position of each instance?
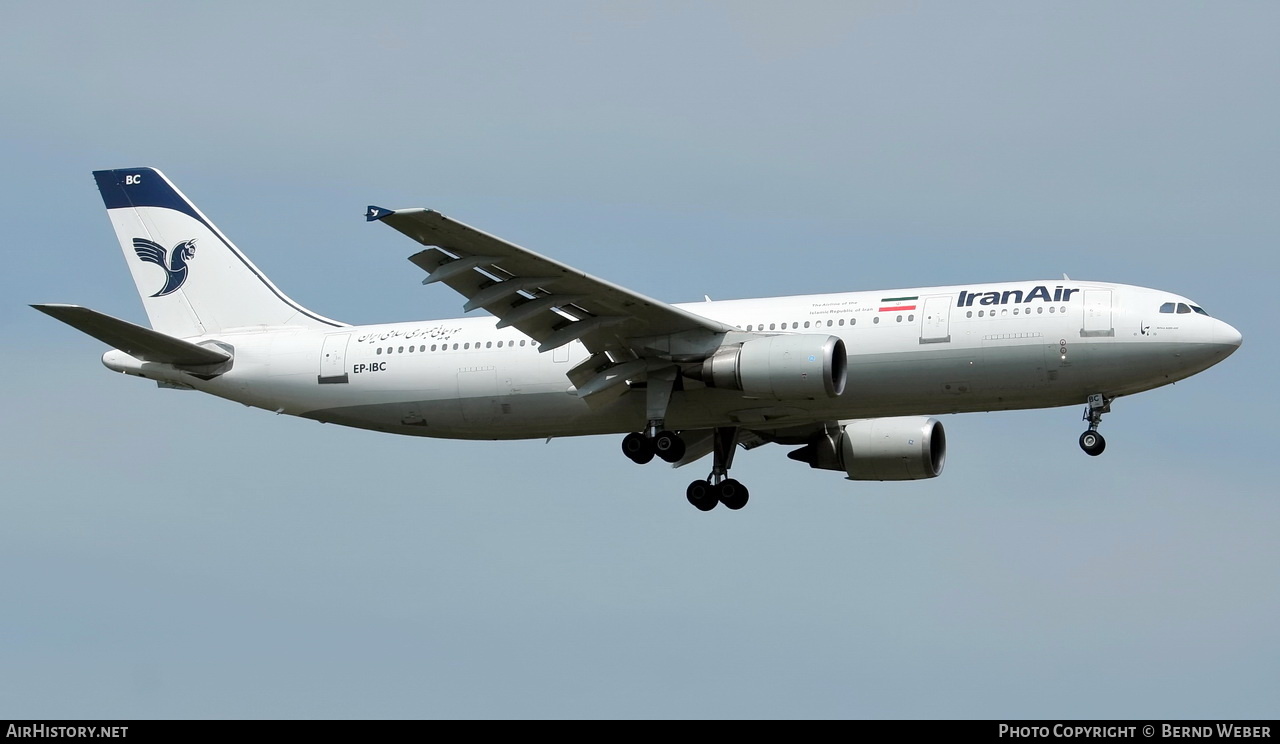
(719, 488)
(1091, 441)
(655, 439)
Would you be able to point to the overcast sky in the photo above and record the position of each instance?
(165, 554)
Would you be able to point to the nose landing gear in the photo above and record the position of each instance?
(1091, 441)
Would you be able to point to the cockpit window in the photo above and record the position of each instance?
(1182, 308)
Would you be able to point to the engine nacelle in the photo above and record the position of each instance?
(900, 448)
(788, 367)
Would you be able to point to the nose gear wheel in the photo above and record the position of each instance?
(1091, 441)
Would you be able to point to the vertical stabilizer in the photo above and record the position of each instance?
(193, 281)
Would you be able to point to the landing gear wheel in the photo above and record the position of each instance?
(732, 493)
(700, 494)
(1092, 443)
(718, 488)
(669, 446)
(638, 447)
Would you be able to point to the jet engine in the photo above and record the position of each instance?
(900, 448)
(787, 367)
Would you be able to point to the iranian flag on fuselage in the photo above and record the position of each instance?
(890, 304)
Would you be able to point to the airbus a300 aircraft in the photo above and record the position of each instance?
(852, 381)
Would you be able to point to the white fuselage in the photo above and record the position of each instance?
(919, 351)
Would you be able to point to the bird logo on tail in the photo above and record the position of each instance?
(174, 265)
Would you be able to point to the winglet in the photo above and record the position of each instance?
(376, 213)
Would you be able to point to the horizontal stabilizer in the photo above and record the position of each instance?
(134, 340)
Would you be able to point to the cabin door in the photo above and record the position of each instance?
(935, 320)
(333, 359)
(1097, 313)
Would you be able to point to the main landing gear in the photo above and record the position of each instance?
(656, 440)
(1091, 441)
(719, 488)
(641, 447)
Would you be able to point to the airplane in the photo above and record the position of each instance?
(854, 382)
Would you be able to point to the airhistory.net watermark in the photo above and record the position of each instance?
(45, 731)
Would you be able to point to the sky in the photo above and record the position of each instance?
(169, 555)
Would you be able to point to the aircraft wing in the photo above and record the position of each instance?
(546, 300)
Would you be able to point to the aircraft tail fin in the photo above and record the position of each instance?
(193, 280)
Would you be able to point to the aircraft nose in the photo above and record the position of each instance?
(1228, 336)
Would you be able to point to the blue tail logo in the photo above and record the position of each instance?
(175, 265)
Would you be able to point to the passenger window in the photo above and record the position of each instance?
(379, 349)
(806, 324)
(1166, 307)
(968, 314)
(1183, 309)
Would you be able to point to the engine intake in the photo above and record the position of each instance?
(788, 367)
(899, 448)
